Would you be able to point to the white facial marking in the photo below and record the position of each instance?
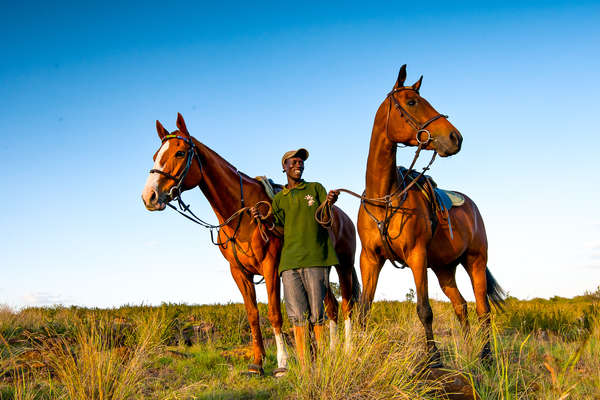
(282, 355)
(152, 180)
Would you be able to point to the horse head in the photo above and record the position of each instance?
(176, 167)
(412, 121)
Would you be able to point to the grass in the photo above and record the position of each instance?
(542, 349)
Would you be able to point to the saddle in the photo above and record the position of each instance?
(270, 186)
(440, 200)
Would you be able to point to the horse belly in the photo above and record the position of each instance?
(446, 248)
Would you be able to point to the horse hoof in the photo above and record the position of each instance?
(435, 360)
(280, 372)
(486, 356)
(254, 370)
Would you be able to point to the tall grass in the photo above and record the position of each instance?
(544, 363)
(542, 349)
(549, 362)
(385, 363)
(102, 364)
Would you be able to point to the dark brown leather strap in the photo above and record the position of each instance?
(409, 118)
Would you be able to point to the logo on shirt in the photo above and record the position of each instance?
(309, 199)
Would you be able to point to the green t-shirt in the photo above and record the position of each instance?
(305, 242)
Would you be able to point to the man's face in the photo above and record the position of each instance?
(294, 167)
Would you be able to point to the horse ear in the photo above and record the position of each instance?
(417, 85)
(162, 132)
(181, 125)
(401, 77)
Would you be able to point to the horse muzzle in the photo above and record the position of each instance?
(152, 200)
(450, 145)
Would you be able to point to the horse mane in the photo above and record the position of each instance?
(213, 153)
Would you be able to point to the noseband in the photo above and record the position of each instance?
(412, 121)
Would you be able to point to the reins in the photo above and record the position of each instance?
(184, 209)
(324, 215)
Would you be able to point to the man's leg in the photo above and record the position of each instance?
(316, 282)
(296, 304)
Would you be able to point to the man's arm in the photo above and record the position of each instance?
(330, 197)
(278, 212)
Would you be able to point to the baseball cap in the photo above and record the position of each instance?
(301, 152)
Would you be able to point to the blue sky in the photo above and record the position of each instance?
(81, 85)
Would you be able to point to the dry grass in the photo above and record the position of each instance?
(384, 364)
(96, 361)
(542, 349)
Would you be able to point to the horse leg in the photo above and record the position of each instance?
(476, 265)
(273, 285)
(417, 260)
(348, 280)
(370, 267)
(246, 286)
(447, 280)
(331, 308)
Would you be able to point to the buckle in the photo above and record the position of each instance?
(419, 138)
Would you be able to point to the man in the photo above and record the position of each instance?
(307, 253)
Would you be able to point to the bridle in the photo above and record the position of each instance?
(390, 210)
(412, 121)
(184, 209)
(324, 217)
(175, 192)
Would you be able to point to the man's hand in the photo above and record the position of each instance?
(254, 213)
(332, 196)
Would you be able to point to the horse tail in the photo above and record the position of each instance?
(495, 293)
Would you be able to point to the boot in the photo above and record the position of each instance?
(300, 339)
(319, 332)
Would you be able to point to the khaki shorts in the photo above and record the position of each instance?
(304, 291)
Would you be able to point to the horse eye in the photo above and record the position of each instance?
(412, 102)
(180, 154)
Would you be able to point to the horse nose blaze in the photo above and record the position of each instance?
(149, 197)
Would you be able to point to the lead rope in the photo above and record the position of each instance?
(323, 214)
(184, 209)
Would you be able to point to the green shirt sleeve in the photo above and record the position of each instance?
(278, 212)
(321, 193)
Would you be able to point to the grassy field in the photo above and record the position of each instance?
(543, 349)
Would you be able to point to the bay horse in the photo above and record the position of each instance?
(182, 163)
(395, 221)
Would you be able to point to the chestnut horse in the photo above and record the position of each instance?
(183, 163)
(395, 221)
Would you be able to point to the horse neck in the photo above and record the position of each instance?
(381, 176)
(220, 184)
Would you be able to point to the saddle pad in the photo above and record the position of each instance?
(271, 187)
(443, 199)
(456, 199)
